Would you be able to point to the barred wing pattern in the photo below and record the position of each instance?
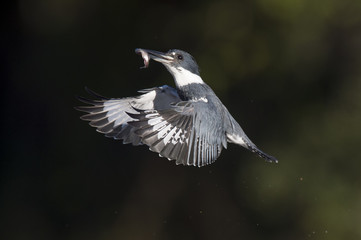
(176, 134)
(109, 115)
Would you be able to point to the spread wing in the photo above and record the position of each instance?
(109, 115)
(180, 133)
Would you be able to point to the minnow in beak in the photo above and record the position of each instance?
(155, 55)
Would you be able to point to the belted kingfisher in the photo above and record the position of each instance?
(188, 123)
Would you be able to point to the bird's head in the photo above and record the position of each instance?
(180, 64)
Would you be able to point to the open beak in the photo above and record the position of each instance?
(155, 55)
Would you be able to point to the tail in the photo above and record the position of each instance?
(245, 142)
(264, 155)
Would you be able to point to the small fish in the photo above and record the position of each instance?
(145, 56)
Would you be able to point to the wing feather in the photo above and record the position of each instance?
(173, 134)
(111, 115)
(188, 132)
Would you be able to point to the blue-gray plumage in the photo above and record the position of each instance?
(188, 124)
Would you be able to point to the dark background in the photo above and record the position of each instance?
(288, 71)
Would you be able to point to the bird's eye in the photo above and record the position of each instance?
(180, 57)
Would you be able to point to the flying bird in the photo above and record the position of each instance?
(188, 123)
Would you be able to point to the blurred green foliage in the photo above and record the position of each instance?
(289, 72)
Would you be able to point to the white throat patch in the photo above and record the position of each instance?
(184, 77)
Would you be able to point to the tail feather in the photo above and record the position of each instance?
(245, 142)
(264, 155)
